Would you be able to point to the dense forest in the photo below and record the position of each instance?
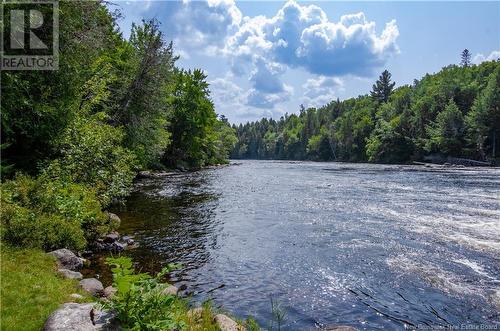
(73, 139)
(455, 112)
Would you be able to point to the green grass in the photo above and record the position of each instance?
(30, 287)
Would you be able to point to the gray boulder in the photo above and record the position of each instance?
(227, 324)
(70, 274)
(92, 286)
(170, 290)
(118, 247)
(66, 259)
(109, 292)
(71, 316)
(111, 237)
(80, 317)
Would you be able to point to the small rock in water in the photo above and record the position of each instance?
(111, 237)
(128, 239)
(70, 274)
(118, 247)
(227, 324)
(170, 290)
(92, 285)
(66, 259)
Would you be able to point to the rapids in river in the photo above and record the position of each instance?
(372, 246)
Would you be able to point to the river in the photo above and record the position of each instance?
(371, 246)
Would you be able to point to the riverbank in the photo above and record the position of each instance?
(36, 295)
(31, 288)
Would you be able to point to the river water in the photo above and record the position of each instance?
(371, 246)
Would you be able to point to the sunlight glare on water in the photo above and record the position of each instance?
(371, 246)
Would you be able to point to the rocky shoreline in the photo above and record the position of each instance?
(92, 316)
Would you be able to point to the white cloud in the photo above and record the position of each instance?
(302, 36)
(201, 25)
(225, 92)
(320, 91)
(259, 99)
(262, 48)
(494, 55)
(241, 105)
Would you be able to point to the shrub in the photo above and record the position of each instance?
(41, 213)
(139, 303)
(92, 154)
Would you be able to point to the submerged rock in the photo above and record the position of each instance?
(92, 286)
(227, 324)
(80, 317)
(66, 259)
(70, 274)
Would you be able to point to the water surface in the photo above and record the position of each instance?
(371, 246)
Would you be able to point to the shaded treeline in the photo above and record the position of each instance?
(455, 112)
(73, 139)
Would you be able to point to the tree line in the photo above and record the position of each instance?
(455, 112)
(73, 139)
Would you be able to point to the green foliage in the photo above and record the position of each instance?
(113, 97)
(139, 302)
(48, 214)
(278, 315)
(382, 88)
(484, 119)
(446, 134)
(30, 289)
(91, 154)
(198, 137)
(391, 125)
(142, 106)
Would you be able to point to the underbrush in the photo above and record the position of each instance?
(141, 304)
(30, 288)
(50, 214)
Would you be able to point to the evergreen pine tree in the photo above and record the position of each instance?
(383, 87)
(466, 58)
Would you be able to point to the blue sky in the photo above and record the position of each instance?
(264, 59)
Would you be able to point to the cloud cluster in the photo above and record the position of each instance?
(240, 105)
(494, 55)
(201, 25)
(302, 36)
(298, 36)
(320, 91)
